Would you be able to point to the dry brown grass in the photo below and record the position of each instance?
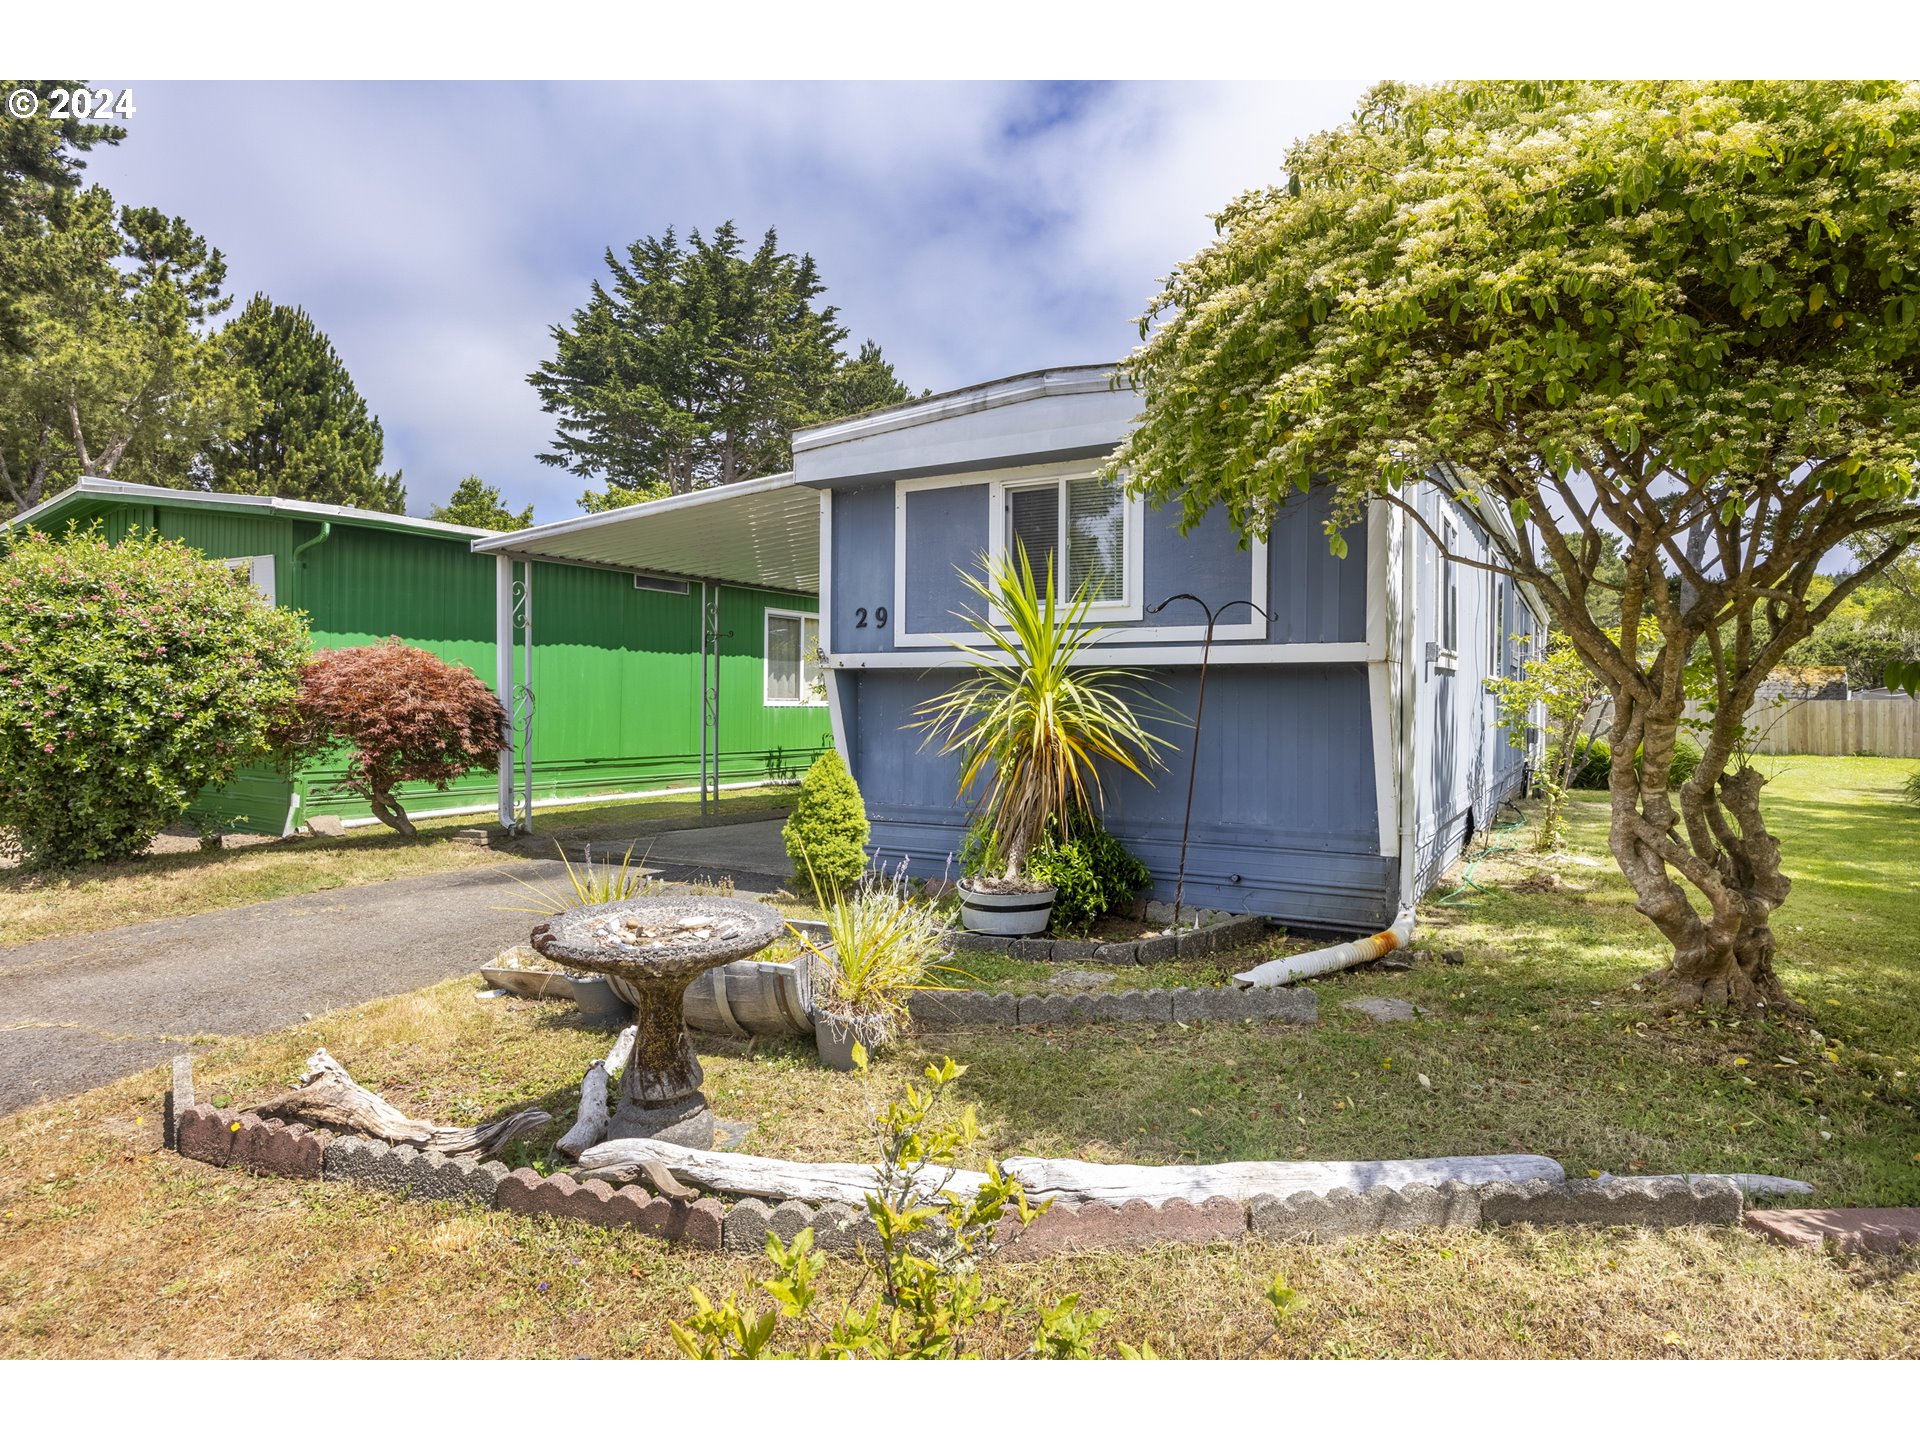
(111, 1247)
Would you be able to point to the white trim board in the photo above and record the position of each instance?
(1349, 652)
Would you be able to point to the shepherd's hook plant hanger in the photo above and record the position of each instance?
(1213, 614)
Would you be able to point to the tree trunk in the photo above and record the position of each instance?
(388, 811)
(1720, 844)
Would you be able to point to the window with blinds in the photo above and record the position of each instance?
(1091, 516)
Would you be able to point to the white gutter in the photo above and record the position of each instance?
(1399, 935)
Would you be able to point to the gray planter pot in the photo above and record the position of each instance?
(986, 913)
(599, 1003)
(834, 1038)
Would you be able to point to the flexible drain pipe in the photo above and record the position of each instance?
(1329, 958)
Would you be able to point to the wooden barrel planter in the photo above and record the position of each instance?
(752, 997)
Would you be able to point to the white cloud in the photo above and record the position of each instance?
(436, 231)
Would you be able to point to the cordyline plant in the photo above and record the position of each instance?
(1684, 314)
(1032, 716)
(132, 676)
(407, 716)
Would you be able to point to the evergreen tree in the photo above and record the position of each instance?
(311, 438)
(478, 504)
(693, 365)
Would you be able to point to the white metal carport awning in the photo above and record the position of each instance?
(763, 533)
(760, 534)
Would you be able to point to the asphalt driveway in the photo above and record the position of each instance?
(79, 1012)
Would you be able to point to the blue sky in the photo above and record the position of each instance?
(436, 230)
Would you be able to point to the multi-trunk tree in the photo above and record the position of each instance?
(692, 366)
(1686, 315)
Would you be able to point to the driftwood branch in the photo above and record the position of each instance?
(328, 1096)
(1070, 1180)
(590, 1123)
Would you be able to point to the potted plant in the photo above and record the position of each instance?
(881, 947)
(1030, 722)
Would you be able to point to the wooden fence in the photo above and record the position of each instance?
(1863, 726)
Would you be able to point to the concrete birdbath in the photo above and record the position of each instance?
(651, 950)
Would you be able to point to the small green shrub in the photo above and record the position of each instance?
(1593, 763)
(132, 677)
(1911, 789)
(1093, 872)
(1592, 760)
(827, 833)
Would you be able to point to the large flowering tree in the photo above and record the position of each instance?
(1681, 319)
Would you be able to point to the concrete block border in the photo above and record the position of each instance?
(939, 1010)
(268, 1147)
(1219, 932)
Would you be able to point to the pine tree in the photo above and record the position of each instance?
(312, 438)
(478, 504)
(694, 363)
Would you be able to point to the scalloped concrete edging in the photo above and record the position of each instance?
(972, 1009)
(1155, 949)
(269, 1147)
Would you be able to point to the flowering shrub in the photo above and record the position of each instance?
(132, 676)
(406, 714)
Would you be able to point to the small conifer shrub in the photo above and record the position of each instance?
(827, 833)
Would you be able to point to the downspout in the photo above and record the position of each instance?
(1397, 936)
(326, 534)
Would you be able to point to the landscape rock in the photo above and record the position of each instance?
(1075, 949)
(271, 1147)
(1134, 1225)
(1657, 1203)
(845, 1230)
(1382, 1008)
(206, 1134)
(1881, 1230)
(325, 825)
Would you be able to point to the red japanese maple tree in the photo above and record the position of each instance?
(406, 714)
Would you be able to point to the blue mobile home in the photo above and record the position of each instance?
(1350, 748)
(1348, 736)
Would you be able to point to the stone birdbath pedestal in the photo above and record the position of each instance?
(651, 950)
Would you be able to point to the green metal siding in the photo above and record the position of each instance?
(758, 740)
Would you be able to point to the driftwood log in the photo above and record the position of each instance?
(328, 1096)
(1069, 1180)
(728, 1174)
(590, 1124)
(1081, 1180)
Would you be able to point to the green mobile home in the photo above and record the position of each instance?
(609, 672)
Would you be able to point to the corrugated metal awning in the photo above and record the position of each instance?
(762, 532)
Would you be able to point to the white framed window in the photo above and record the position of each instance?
(1449, 597)
(793, 671)
(259, 572)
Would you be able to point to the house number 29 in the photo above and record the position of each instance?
(879, 617)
